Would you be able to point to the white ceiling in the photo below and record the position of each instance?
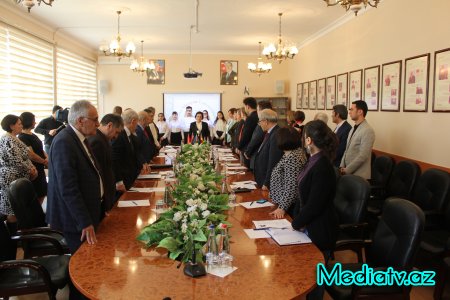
(225, 26)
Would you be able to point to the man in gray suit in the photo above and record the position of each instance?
(358, 152)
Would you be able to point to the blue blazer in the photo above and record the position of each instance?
(73, 199)
(342, 135)
(147, 148)
(125, 159)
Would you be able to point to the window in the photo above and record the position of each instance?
(76, 79)
(26, 74)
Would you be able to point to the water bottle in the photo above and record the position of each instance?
(232, 198)
(212, 251)
(224, 189)
(224, 240)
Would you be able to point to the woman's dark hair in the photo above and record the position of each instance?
(207, 117)
(27, 119)
(288, 138)
(299, 116)
(198, 113)
(174, 113)
(217, 117)
(322, 137)
(8, 121)
(164, 118)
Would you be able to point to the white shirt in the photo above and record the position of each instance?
(339, 125)
(163, 128)
(219, 126)
(187, 123)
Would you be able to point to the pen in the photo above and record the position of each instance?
(251, 203)
(134, 203)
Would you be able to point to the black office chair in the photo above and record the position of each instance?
(394, 244)
(401, 183)
(430, 195)
(31, 219)
(381, 172)
(29, 276)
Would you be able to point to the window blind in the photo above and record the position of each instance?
(76, 79)
(26, 74)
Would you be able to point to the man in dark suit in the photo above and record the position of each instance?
(229, 76)
(249, 126)
(125, 150)
(75, 187)
(257, 136)
(268, 154)
(146, 142)
(110, 127)
(339, 117)
(152, 130)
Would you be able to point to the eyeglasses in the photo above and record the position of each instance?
(92, 119)
(259, 122)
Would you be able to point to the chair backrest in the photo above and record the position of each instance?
(382, 169)
(431, 190)
(25, 205)
(350, 201)
(8, 247)
(403, 179)
(397, 236)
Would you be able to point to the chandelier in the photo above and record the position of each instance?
(282, 51)
(30, 3)
(353, 5)
(142, 66)
(114, 47)
(260, 67)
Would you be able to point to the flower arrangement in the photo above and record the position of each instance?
(197, 204)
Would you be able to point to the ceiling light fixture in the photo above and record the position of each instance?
(142, 65)
(260, 67)
(353, 5)
(191, 73)
(114, 47)
(30, 3)
(282, 51)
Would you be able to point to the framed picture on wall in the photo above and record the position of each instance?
(298, 102)
(415, 83)
(312, 94)
(321, 87)
(441, 88)
(331, 92)
(228, 72)
(391, 86)
(342, 89)
(157, 72)
(305, 95)
(371, 87)
(355, 85)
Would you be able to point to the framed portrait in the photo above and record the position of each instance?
(298, 103)
(305, 95)
(228, 72)
(415, 83)
(157, 72)
(321, 86)
(371, 87)
(355, 85)
(330, 92)
(312, 94)
(342, 89)
(391, 86)
(441, 88)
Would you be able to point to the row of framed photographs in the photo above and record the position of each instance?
(347, 87)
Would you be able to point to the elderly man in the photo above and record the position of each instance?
(356, 159)
(147, 146)
(125, 149)
(75, 187)
(110, 127)
(268, 154)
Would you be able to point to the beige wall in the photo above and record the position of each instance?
(129, 89)
(398, 29)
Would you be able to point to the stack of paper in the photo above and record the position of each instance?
(278, 223)
(255, 204)
(147, 190)
(133, 203)
(149, 176)
(288, 236)
(235, 173)
(249, 185)
(236, 168)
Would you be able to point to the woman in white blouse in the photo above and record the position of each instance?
(176, 134)
(219, 129)
(163, 129)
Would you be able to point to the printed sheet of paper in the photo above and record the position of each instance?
(133, 203)
(279, 223)
(255, 204)
(256, 234)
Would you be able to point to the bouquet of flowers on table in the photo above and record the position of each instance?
(198, 203)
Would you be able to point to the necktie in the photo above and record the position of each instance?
(240, 133)
(91, 154)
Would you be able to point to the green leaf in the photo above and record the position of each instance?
(199, 236)
(169, 243)
(174, 255)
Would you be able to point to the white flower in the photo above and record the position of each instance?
(193, 176)
(184, 227)
(205, 213)
(191, 208)
(178, 215)
(185, 238)
(203, 206)
(197, 192)
(201, 187)
(190, 202)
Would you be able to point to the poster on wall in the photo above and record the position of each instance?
(342, 89)
(390, 86)
(228, 72)
(331, 92)
(298, 103)
(305, 97)
(441, 89)
(157, 72)
(321, 86)
(371, 87)
(312, 94)
(415, 91)
(355, 85)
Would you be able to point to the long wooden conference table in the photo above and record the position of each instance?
(119, 267)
